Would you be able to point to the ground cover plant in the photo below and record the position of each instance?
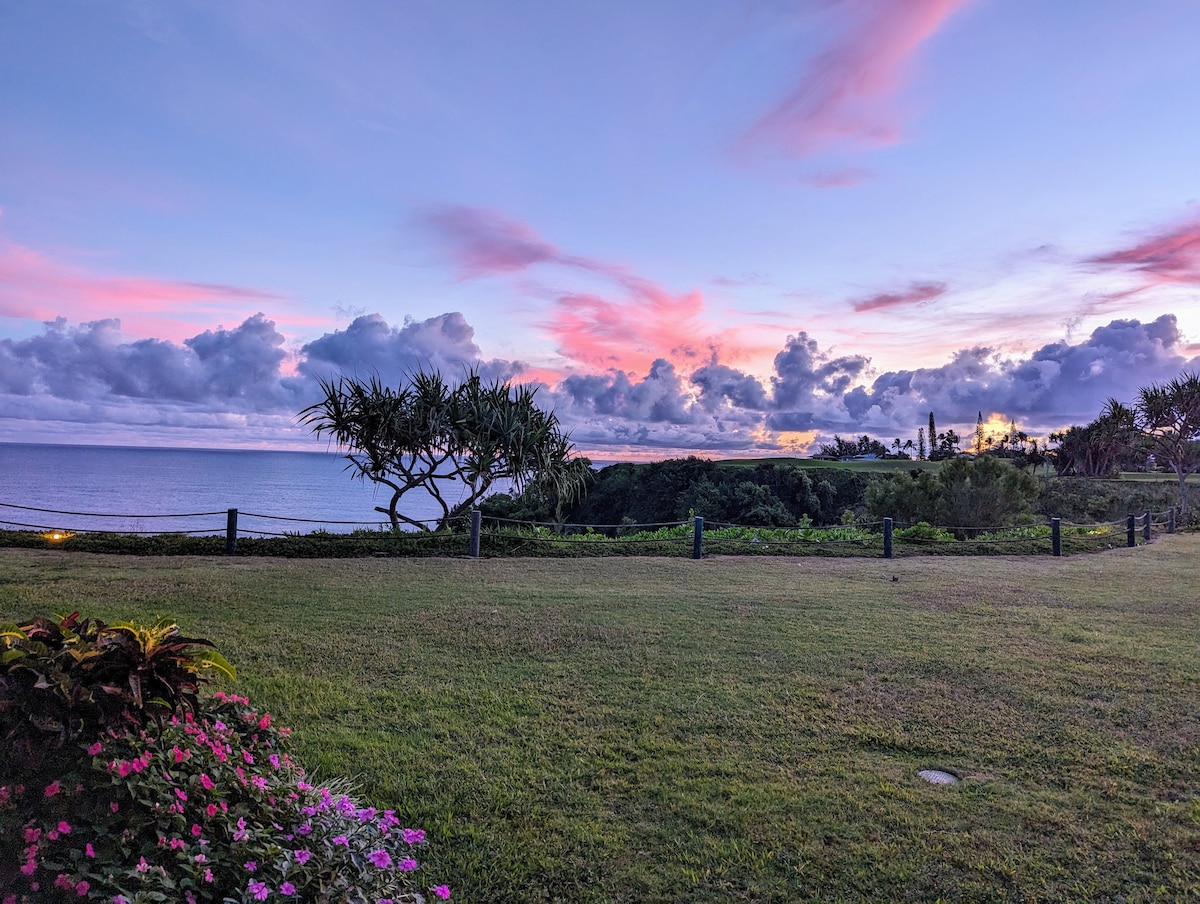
(727, 730)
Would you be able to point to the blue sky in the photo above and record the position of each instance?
(717, 228)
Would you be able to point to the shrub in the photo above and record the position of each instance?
(202, 804)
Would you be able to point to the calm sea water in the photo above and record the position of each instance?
(127, 486)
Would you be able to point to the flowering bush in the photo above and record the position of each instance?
(204, 806)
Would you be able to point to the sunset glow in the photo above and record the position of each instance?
(728, 229)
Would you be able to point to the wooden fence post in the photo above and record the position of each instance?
(231, 532)
(887, 538)
(698, 538)
(1056, 536)
(476, 521)
(1130, 531)
(1171, 520)
(1146, 527)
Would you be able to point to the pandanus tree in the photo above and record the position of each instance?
(1169, 417)
(454, 442)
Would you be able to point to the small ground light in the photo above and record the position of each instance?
(57, 536)
(938, 777)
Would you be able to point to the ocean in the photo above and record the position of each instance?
(139, 490)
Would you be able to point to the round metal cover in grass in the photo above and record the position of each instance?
(937, 777)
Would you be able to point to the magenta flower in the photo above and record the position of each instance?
(287, 888)
(53, 788)
(259, 890)
(95, 749)
(381, 858)
(302, 856)
(442, 891)
(407, 865)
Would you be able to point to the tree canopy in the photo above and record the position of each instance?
(1168, 416)
(428, 434)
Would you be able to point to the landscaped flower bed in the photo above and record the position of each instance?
(144, 791)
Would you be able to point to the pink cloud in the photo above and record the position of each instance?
(34, 286)
(918, 293)
(486, 243)
(846, 95)
(1172, 256)
(625, 329)
(629, 334)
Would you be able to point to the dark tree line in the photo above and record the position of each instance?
(766, 494)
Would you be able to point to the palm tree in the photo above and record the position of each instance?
(1169, 417)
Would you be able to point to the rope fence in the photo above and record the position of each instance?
(873, 538)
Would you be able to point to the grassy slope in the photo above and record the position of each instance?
(745, 730)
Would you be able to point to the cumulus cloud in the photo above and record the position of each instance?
(1058, 383)
(94, 374)
(236, 369)
(235, 378)
(370, 346)
(845, 97)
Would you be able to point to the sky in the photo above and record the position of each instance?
(726, 228)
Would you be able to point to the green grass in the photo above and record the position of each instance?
(725, 730)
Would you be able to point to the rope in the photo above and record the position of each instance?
(28, 508)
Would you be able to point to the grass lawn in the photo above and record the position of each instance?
(725, 730)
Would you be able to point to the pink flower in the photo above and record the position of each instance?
(302, 856)
(28, 867)
(341, 839)
(82, 888)
(208, 876)
(142, 865)
(250, 865)
(211, 810)
(181, 794)
(89, 850)
(407, 865)
(413, 836)
(32, 834)
(114, 806)
(124, 768)
(381, 858)
(95, 749)
(287, 888)
(207, 782)
(64, 828)
(53, 788)
(442, 891)
(259, 890)
(196, 830)
(265, 721)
